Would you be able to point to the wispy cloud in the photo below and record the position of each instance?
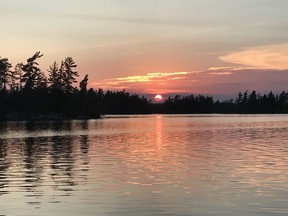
(150, 77)
(160, 81)
(150, 21)
(216, 80)
(145, 82)
(262, 57)
(174, 22)
(221, 69)
(220, 73)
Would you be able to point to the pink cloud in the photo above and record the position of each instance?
(262, 57)
(212, 81)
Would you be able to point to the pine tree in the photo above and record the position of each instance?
(69, 75)
(32, 76)
(55, 77)
(83, 84)
(4, 72)
(15, 77)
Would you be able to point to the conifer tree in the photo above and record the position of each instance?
(83, 84)
(32, 76)
(15, 77)
(4, 72)
(55, 77)
(69, 75)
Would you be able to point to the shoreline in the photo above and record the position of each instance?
(61, 118)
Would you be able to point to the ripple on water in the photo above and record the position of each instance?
(149, 165)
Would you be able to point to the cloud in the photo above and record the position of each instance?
(216, 80)
(221, 69)
(161, 82)
(220, 73)
(157, 80)
(173, 22)
(150, 77)
(150, 21)
(262, 57)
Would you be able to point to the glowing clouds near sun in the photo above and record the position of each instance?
(263, 57)
(152, 83)
(262, 68)
(152, 76)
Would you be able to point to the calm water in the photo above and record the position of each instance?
(146, 165)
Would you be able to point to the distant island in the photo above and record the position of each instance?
(26, 93)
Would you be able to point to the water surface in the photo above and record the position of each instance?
(146, 165)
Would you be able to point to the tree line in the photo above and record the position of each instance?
(26, 93)
(244, 103)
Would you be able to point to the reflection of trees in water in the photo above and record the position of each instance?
(84, 147)
(62, 164)
(61, 126)
(84, 138)
(4, 165)
(84, 144)
(64, 156)
(35, 164)
(34, 158)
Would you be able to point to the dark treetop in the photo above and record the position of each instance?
(26, 93)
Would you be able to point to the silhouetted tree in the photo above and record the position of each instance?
(282, 102)
(189, 104)
(252, 102)
(62, 99)
(15, 77)
(55, 77)
(69, 75)
(4, 72)
(83, 84)
(32, 76)
(122, 102)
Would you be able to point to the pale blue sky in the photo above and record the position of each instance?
(112, 39)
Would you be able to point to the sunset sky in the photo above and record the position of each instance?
(215, 47)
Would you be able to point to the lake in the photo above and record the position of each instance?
(146, 165)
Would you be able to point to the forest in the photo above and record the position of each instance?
(244, 103)
(26, 93)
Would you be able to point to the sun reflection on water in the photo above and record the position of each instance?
(159, 164)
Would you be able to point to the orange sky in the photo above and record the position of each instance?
(155, 46)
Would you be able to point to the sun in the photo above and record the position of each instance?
(158, 98)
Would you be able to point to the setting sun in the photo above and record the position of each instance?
(158, 98)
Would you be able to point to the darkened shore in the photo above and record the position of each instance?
(27, 94)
